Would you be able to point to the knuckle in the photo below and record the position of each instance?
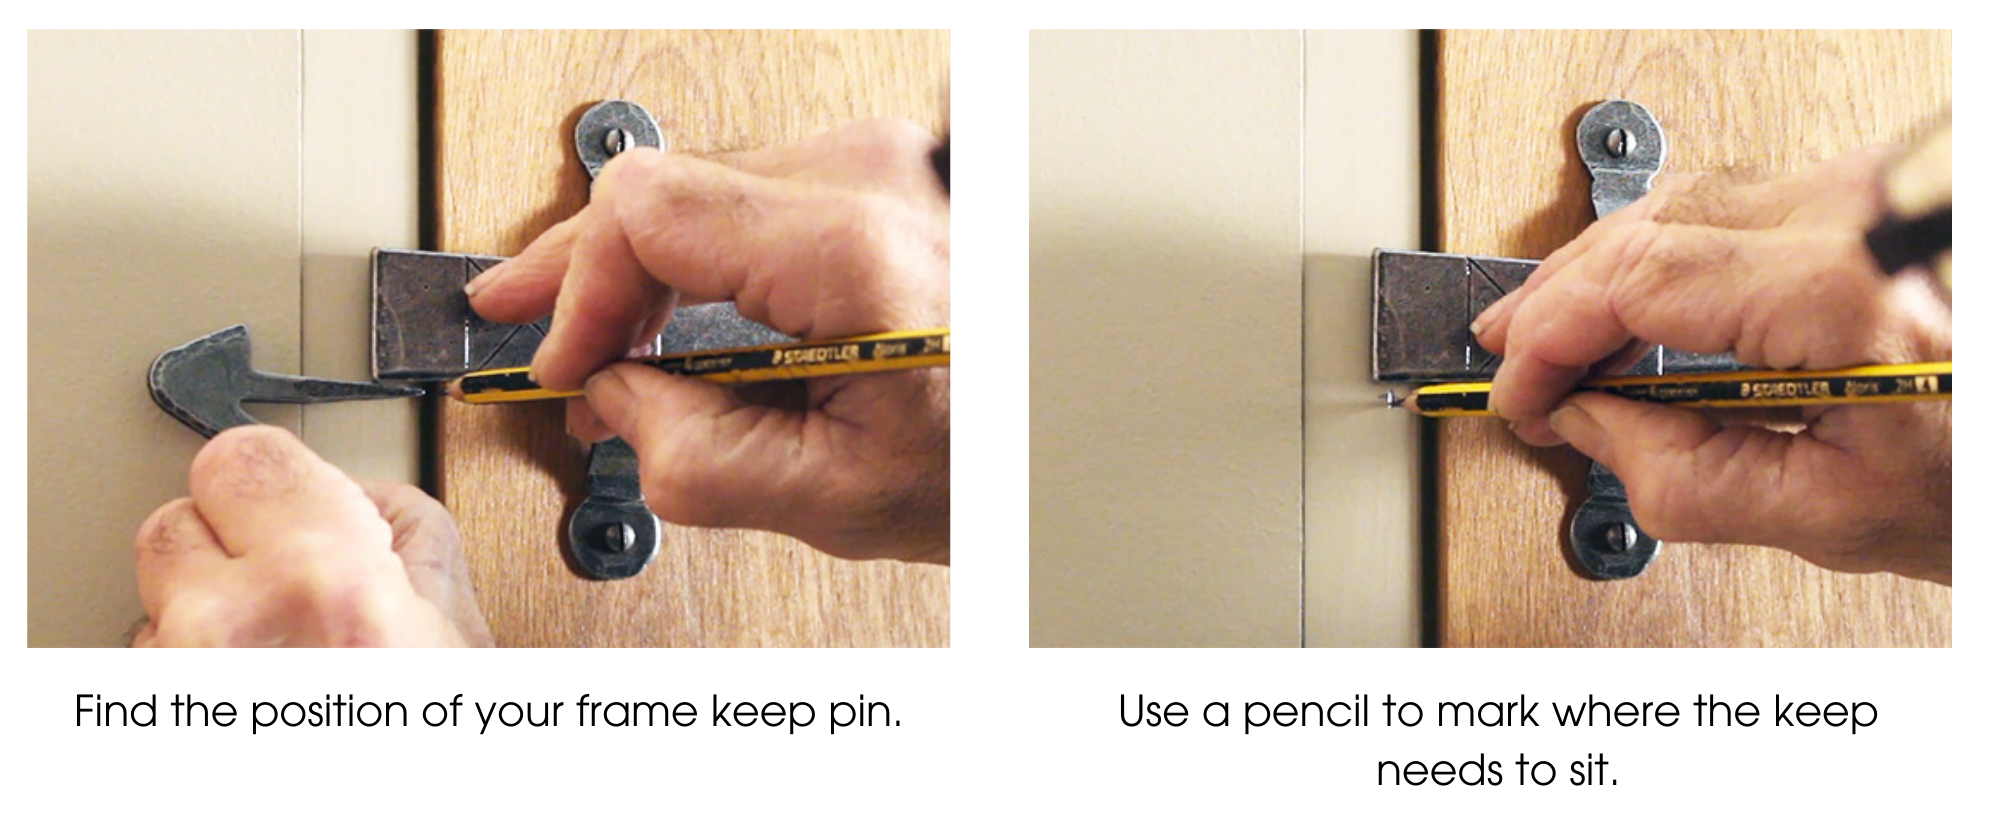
(1638, 252)
(886, 154)
(406, 495)
(1706, 198)
(161, 534)
(248, 461)
(684, 215)
(628, 165)
(860, 238)
(1644, 249)
(1655, 261)
(672, 181)
(1671, 195)
(888, 142)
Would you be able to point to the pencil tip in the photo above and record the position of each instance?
(1391, 399)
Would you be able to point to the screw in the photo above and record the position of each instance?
(1620, 537)
(1618, 142)
(619, 537)
(616, 140)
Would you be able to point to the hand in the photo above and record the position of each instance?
(1776, 271)
(845, 234)
(278, 548)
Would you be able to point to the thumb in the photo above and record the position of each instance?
(706, 458)
(433, 555)
(1689, 478)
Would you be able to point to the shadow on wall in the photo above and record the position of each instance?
(1164, 421)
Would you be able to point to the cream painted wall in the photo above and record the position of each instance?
(168, 198)
(1164, 260)
(1363, 479)
(359, 174)
(1209, 464)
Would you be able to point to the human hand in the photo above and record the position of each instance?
(1776, 271)
(276, 547)
(844, 234)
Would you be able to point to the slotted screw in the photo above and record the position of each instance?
(1620, 537)
(1618, 142)
(616, 140)
(619, 537)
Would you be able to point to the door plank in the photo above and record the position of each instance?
(506, 103)
(1509, 184)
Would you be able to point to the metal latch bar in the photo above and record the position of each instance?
(425, 329)
(1424, 306)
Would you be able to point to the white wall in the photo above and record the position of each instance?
(1164, 259)
(1210, 465)
(167, 198)
(1363, 561)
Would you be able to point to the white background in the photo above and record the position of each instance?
(994, 734)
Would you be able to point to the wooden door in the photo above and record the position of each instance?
(1509, 184)
(505, 106)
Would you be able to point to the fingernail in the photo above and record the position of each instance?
(1484, 319)
(483, 280)
(1576, 426)
(610, 397)
(538, 366)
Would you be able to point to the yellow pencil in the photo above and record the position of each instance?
(786, 361)
(1721, 389)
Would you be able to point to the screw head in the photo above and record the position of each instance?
(1618, 142)
(1620, 537)
(616, 140)
(618, 537)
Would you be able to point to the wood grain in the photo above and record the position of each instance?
(506, 105)
(1510, 184)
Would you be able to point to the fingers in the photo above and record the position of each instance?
(807, 261)
(885, 155)
(604, 306)
(1735, 198)
(707, 458)
(1840, 191)
(816, 239)
(523, 288)
(875, 155)
(175, 551)
(1690, 479)
(259, 489)
(1780, 298)
(278, 547)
